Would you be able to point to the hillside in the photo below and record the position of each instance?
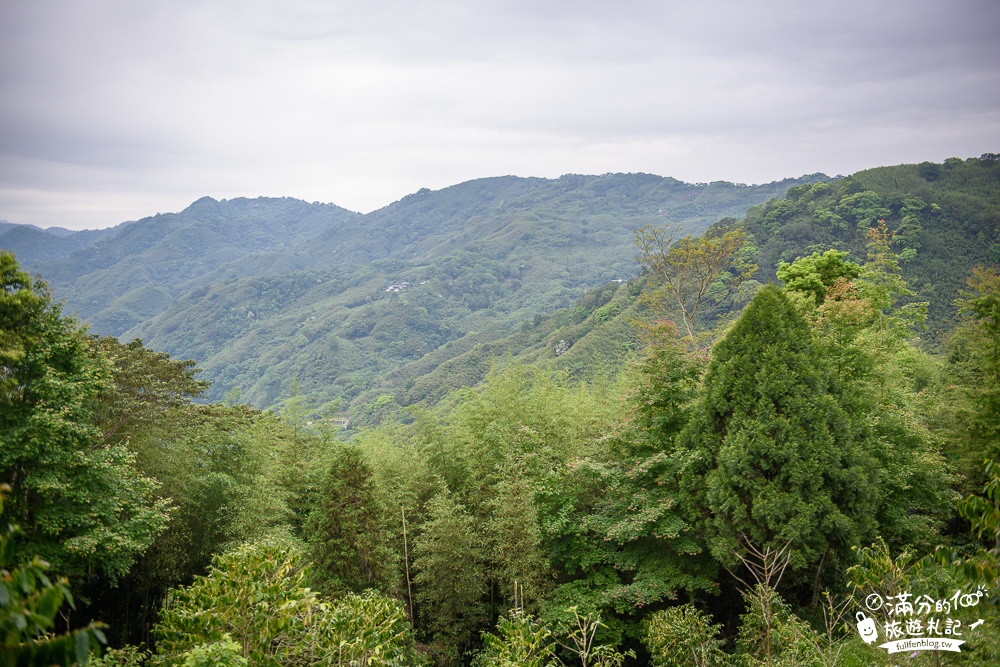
(33, 245)
(274, 296)
(946, 218)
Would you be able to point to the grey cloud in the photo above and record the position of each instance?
(156, 103)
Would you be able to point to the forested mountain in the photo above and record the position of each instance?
(271, 293)
(753, 453)
(946, 218)
(34, 245)
(277, 298)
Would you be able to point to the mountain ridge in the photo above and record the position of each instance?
(479, 256)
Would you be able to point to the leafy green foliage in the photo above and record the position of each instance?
(770, 634)
(694, 275)
(347, 532)
(772, 458)
(84, 507)
(450, 575)
(225, 653)
(29, 604)
(146, 385)
(683, 636)
(256, 595)
(520, 641)
(816, 274)
(941, 217)
(126, 656)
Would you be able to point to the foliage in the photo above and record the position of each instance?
(225, 653)
(579, 642)
(694, 273)
(347, 531)
(816, 274)
(941, 219)
(683, 636)
(521, 641)
(29, 603)
(770, 634)
(524, 640)
(146, 385)
(84, 507)
(975, 355)
(256, 595)
(772, 460)
(450, 576)
(126, 656)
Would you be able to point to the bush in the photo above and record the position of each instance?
(256, 597)
(683, 637)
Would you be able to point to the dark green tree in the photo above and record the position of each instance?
(450, 576)
(30, 602)
(146, 385)
(347, 532)
(777, 470)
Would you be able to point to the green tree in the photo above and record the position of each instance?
(256, 595)
(770, 634)
(777, 470)
(348, 535)
(644, 551)
(145, 386)
(692, 275)
(450, 575)
(816, 274)
(521, 641)
(29, 604)
(976, 350)
(683, 636)
(84, 507)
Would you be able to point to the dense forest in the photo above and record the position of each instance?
(780, 435)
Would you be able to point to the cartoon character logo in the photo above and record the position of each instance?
(866, 628)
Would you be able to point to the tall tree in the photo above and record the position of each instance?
(772, 462)
(451, 578)
(693, 275)
(347, 532)
(82, 504)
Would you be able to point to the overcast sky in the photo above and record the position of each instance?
(112, 110)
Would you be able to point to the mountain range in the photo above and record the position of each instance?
(279, 298)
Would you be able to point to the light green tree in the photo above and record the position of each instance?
(816, 274)
(694, 275)
(82, 504)
(683, 636)
(256, 595)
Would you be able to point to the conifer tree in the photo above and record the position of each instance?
(773, 464)
(347, 534)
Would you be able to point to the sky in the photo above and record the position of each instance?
(113, 110)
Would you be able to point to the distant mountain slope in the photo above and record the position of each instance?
(131, 276)
(34, 246)
(264, 291)
(946, 218)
